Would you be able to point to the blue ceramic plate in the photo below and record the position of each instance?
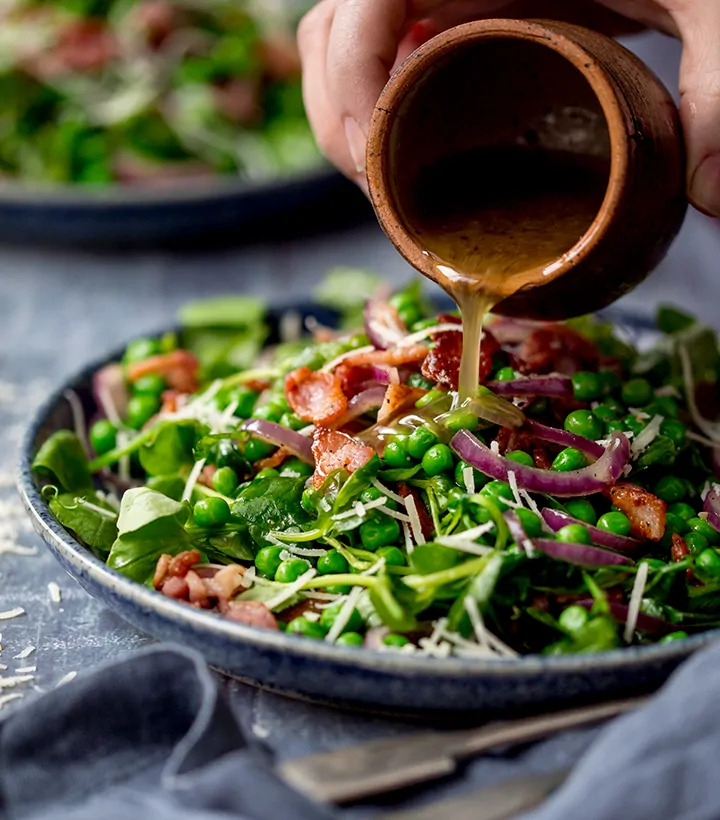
(320, 671)
(117, 216)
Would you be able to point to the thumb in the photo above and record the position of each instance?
(699, 24)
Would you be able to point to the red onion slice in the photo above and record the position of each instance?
(592, 479)
(556, 520)
(552, 386)
(557, 436)
(110, 392)
(280, 436)
(645, 623)
(383, 324)
(369, 399)
(711, 505)
(582, 555)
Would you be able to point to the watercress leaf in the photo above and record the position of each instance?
(95, 526)
(265, 592)
(62, 461)
(223, 311)
(271, 504)
(400, 473)
(171, 447)
(359, 480)
(388, 608)
(142, 508)
(235, 545)
(661, 452)
(345, 290)
(170, 485)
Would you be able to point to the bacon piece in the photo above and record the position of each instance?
(182, 562)
(179, 369)
(354, 379)
(391, 358)
(170, 401)
(449, 319)
(316, 397)
(645, 510)
(223, 584)
(334, 450)
(442, 363)
(398, 397)
(158, 19)
(197, 591)
(273, 461)
(175, 587)
(679, 548)
(426, 522)
(252, 613)
(556, 348)
(297, 610)
(161, 570)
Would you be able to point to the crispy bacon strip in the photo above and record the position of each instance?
(645, 510)
(391, 358)
(252, 613)
(556, 348)
(679, 548)
(398, 397)
(442, 363)
(273, 461)
(316, 397)
(426, 522)
(179, 369)
(337, 451)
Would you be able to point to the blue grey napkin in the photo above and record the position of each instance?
(151, 737)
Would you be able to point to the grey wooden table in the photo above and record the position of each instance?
(58, 309)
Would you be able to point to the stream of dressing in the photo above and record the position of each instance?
(491, 219)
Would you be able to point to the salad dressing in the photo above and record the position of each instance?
(490, 217)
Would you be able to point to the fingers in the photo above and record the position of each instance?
(699, 24)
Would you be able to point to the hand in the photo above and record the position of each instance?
(350, 47)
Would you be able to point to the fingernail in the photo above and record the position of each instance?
(705, 186)
(356, 143)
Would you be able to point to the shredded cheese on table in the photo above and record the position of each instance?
(54, 591)
(24, 654)
(635, 601)
(11, 613)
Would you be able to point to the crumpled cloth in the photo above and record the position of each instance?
(152, 737)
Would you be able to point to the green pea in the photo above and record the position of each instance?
(634, 425)
(350, 639)
(438, 459)
(140, 349)
(372, 494)
(673, 636)
(441, 485)
(505, 374)
(480, 514)
(308, 629)
(151, 385)
(211, 512)
(396, 455)
(668, 407)
(573, 618)
(674, 523)
(697, 543)
(332, 563)
(701, 526)
(290, 570)
(636, 392)
(587, 386)
(584, 423)
(269, 412)
(615, 522)
(420, 441)
(455, 498)
(354, 624)
(569, 459)
(581, 509)
(605, 414)
(614, 427)
(268, 472)
(680, 508)
(521, 457)
(461, 420)
(574, 534)
(480, 478)
(614, 405)
(709, 560)
(610, 381)
(296, 468)
(670, 489)
(393, 639)
(499, 492)
(531, 523)
(429, 398)
(140, 409)
(309, 500)
(380, 531)
(245, 398)
(676, 431)
(424, 324)
(103, 436)
(292, 421)
(418, 380)
(225, 481)
(267, 560)
(256, 449)
(392, 555)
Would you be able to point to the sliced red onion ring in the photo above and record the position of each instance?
(711, 505)
(369, 399)
(273, 433)
(374, 637)
(645, 623)
(581, 554)
(557, 436)
(110, 392)
(517, 531)
(592, 479)
(553, 386)
(383, 325)
(556, 520)
(381, 375)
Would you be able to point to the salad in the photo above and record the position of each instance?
(147, 92)
(330, 486)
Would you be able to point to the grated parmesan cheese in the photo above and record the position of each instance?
(291, 589)
(468, 474)
(306, 552)
(192, 479)
(415, 524)
(359, 509)
(462, 545)
(646, 436)
(55, 593)
(5, 699)
(635, 601)
(23, 670)
(66, 679)
(14, 680)
(24, 654)
(409, 546)
(476, 620)
(386, 491)
(495, 447)
(344, 615)
(512, 481)
(394, 514)
(11, 613)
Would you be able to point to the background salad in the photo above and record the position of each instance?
(330, 486)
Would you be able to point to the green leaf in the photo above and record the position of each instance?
(671, 320)
(224, 311)
(400, 473)
(141, 508)
(233, 545)
(62, 461)
(346, 291)
(388, 608)
(96, 529)
(171, 447)
(661, 452)
(271, 504)
(170, 485)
